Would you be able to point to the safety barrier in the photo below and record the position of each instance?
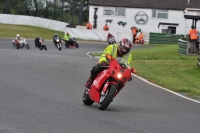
(183, 48)
(161, 38)
(79, 32)
(33, 21)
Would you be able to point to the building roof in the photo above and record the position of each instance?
(152, 4)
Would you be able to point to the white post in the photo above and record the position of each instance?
(185, 27)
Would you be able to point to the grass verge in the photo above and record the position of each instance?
(10, 31)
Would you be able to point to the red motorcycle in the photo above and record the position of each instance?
(72, 43)
(108, 83)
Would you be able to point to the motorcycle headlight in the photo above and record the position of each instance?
(119, 75)
(57, 40)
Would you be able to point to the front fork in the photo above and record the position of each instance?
(119, 85)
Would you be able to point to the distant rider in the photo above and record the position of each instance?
(110, 39)
(37, 41)
(66, 38)
(54, 39)
(16, 40)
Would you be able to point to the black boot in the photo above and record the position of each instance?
(89, 82)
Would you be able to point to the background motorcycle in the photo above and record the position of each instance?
(111, 40)
(22, 43)
(58, 43)
(72, 43)
(41, 44)
(108, 83)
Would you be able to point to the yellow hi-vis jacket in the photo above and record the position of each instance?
(112, 50)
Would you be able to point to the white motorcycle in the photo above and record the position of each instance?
(58, 43)
(22, 43)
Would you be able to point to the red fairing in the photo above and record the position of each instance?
(102, 82)
(16, 42)
(94, 91)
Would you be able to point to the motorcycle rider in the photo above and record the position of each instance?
(37, 41)
(66, 38)
(109, 36)
(54, 39)
(16, 40)
(115, 50)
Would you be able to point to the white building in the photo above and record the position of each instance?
(161, 16)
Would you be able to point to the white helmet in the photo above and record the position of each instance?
(18, 35)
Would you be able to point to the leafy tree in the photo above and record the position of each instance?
(63, 10)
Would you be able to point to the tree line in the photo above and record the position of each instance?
(71, 11)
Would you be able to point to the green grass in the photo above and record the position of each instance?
(10, 31)
(165, 67)
(162, 65)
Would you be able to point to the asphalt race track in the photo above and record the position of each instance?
(41, 91)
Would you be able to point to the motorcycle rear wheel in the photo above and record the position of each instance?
(86, 99)
(41, 47)
(107, 98)
(45, 47)
(66, 45)
(17, 46)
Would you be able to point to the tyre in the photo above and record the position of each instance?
(41, 47)
(107, 97)
(60, 49)
(17, 46)
(45, 47)
(76, 44)
(66, 45)
(27, 46)
(198, 59)
(86, 99)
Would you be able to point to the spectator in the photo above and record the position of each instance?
(193, 39)
(139, 39)
(106, 27)
(134, 31)
(89, 26)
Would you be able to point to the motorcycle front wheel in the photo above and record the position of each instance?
(107, 97)
(76, 44)
(60, 48)
(86, 99)
(27, 46)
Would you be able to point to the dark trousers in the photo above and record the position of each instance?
(193, 46)
(134, 36)
(96, 70)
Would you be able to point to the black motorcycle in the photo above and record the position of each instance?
(72, 43)
(58, 43)
(41, 44)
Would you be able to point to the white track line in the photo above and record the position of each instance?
(175, 93)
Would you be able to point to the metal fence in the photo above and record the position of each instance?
(183, 48)
(161, 38)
